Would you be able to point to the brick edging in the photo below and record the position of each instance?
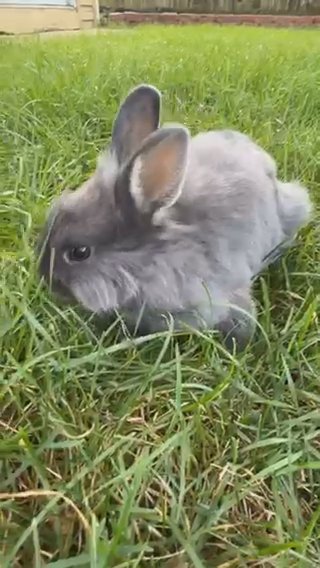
(134, 18)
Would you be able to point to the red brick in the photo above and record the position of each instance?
(135, 18)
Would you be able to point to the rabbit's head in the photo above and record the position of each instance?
(99, 237)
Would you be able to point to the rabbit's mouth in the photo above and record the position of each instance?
(61, 291)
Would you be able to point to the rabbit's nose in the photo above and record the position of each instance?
(60, 289)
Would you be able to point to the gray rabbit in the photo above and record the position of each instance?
(170, 230)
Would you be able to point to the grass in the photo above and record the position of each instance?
(170, 453)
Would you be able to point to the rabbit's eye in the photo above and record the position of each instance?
(77, 254)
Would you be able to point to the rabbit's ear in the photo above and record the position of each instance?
(157, 173)
(138, 117)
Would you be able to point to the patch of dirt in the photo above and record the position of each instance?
(283, 21)
(47, 34)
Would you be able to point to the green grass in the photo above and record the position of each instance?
(170, 453)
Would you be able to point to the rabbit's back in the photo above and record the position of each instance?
(229, 148)
(230, 194)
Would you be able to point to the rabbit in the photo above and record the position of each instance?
(170, 230)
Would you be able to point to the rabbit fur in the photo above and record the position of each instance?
(171, 228)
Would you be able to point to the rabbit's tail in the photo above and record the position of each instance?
(294, 207)
(294, 211)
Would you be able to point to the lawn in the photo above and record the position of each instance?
(170, 453)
